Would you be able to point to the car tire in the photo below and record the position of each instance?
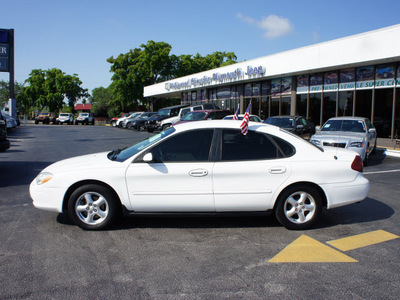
(93, 207)
(36, 122)
(113, 124)
(298, 207)
(140, 127)
(166, 126)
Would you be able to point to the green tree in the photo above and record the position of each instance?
(5, 94)
(136, 69)
(152, 63)
(100, 100)
(49, 88)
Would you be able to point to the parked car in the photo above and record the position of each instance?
(252, 118)
(168, 122)
(164, 113)
(132, 115)
(354, 133)
(295, 124)
(65, 118)
(4, 143)
(140, 124)
(164, 123)
(45, 118)
(139, 121)
(204, 167)
(10, 121)
(113, 121)
(85, 118)
(199, 115)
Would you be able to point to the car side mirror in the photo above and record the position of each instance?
(372, 130)
(299, 126)
(148, 157)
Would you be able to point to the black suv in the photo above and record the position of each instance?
(4, 143)
(162, 114)
(295, 124)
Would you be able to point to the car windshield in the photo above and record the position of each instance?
(164, 112)
(344, 125)
(44, 114)
(123, 154)
(84, 115)
(231, 118)
(64, 115)
(280, 122)
(194, 116)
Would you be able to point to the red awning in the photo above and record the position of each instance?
(83, 106)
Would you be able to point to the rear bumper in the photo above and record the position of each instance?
(340, 194)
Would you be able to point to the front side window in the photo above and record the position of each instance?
(190, 146)
(253, 146)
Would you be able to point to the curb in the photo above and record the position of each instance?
(392, 153)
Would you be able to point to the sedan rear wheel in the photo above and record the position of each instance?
(298, 207)
(93, 207)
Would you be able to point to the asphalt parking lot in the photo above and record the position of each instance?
(353, 252)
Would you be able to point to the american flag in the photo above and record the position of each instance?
(236, 115)
(245, 124)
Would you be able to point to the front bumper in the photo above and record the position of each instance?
(50, 199)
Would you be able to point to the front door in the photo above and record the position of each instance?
(179, 179)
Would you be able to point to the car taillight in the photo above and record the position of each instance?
(357, 164)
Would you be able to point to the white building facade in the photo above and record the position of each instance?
(354, 76)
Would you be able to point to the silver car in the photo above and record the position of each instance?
(354, 133)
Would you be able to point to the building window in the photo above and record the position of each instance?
(329, 106)
(275, 106)
(301, 105)
(383, 109)
(345, 105)
(397, 115)
(314, 108)
(363, 103)
(285, 106)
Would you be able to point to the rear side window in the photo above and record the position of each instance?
(253, 146)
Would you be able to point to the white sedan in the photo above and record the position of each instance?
(204, 167)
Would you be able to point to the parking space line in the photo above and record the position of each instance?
(362, 240)
(381, 172)
(308, 250)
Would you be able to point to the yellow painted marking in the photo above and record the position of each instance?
(306, 250)
(362, 240)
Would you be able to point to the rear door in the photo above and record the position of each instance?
(249, 171)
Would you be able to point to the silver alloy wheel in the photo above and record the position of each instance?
(92, 208)
(299, 207)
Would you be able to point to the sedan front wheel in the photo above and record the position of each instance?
(298, 207)
(93, 207)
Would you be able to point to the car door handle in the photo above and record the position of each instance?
(277, 170)
(198, 173)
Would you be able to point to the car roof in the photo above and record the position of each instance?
(349, 118)
(207, 110)
(233, 124)
(175, 106)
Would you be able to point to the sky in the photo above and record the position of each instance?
(79, 36)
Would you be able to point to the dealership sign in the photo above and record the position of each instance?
(4, 53)
(238, 74)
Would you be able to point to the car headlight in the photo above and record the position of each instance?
(356, 144)
(43, 177)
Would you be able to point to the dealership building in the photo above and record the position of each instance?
(357, 75)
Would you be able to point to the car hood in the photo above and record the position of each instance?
(339, 135)
(84, 162)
